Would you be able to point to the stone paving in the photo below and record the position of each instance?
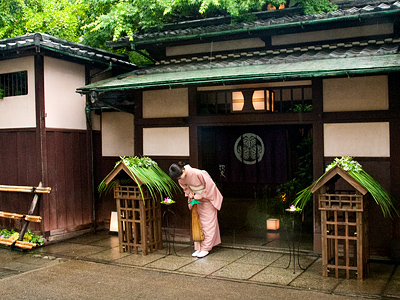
(226, 263)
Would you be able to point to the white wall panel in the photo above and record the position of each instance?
(64, 107)
(19, 111)
(209, 48)
(117, 134)
(341, 33)
(356, 94)
(357, 139)
(169, 141)
(165, 103)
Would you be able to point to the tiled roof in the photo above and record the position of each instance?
(64, 47)
(279, 56)
(269, 19)
(301, 62)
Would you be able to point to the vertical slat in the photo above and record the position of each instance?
(347, 252)
(324, 242)
(143, 228)
(336, 246)
(359, 246)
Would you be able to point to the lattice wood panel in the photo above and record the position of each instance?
(139, 220)
(344, 235)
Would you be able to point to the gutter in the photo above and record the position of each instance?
(236, 78)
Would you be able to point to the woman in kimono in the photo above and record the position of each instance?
(198, 185)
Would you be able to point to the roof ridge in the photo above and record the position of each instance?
(51, 43)
(292, 16)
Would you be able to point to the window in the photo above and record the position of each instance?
(214, 103)
(258, 100)
(14, 84)
(293, 99)
(274, 99)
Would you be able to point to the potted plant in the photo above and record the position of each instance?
(1, 93)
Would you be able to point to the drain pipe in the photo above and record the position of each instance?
(90, 129)
(88, 112)
(109, 68)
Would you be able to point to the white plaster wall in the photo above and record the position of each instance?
(356, 94)
(209, 48)
(165, 103)
(96, 125)
(117, 134)
(64, 107)
(341, 33)
(19, 111)
(168, 141)
(357, 139)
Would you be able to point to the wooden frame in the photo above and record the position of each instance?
(139, 220)
(344, 236)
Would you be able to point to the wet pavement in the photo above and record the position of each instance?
(244, 265)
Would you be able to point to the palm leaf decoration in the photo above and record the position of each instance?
(143, 171)
(354, 169)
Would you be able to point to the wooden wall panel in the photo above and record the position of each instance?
(70, 204)
(106, 203)
(18, 162)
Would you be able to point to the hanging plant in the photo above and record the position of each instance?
(355, 170)
(144, 171)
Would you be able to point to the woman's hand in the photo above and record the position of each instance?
(197, 197)
(191, 196)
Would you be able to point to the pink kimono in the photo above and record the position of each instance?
(199, 182)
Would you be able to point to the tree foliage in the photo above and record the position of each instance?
(123, 18)
(94, 22)
(61, 18)
(313, 7)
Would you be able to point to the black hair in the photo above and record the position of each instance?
(175, 170)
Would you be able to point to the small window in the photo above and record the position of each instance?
(261, 100)
(14, 84)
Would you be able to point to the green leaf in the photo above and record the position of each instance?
(145, 171)
(354, 169)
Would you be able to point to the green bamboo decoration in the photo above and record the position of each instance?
(144, 171)
(354, 169)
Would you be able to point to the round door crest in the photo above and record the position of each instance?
(249, 148)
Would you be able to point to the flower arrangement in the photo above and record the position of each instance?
(29, 236)
(355, 170)
(167, 201)
(293, 208)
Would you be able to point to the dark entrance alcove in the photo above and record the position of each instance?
(251, 166)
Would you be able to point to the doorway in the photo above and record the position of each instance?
(259, 170)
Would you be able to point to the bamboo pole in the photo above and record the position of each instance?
(6, 241)
(25, 189)
(9, 215)
(24, 245)
(31, 218)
